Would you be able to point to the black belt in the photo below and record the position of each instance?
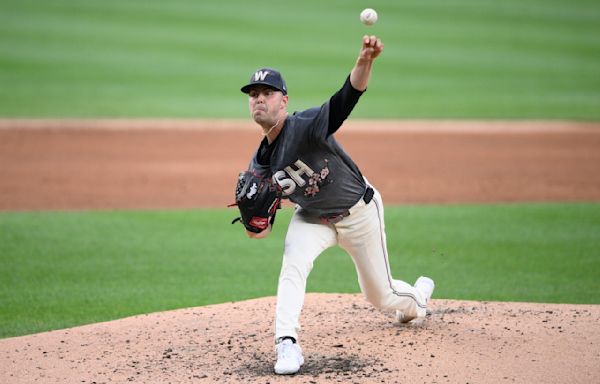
(336, 218)
(368, 196)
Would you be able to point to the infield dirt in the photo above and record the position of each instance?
(179, 164)
(114, 164)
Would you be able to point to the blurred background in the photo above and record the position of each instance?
(443, 59)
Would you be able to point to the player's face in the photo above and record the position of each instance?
(265, 104)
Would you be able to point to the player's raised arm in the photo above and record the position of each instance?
(371, 48)
(344, 100)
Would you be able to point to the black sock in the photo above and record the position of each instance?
(286, 337)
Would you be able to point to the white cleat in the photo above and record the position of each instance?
(425, 286)
(289, 358)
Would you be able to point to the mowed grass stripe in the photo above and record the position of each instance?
(61, 269)
(462, 59)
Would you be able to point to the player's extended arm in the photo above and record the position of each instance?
(344, 100)
(371, 48)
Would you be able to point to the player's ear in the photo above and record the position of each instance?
(284, 101)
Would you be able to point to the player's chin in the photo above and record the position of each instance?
(259, 116)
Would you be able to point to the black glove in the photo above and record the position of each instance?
(257, 198)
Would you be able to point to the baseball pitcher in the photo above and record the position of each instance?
(299, 159)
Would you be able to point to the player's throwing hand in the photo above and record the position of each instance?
(371, 48)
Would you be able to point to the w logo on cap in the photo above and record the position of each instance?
(260, 75)
(266, 76)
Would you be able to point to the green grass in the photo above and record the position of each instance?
(184, 58)
(60, 269)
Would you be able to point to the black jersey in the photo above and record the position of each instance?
(309, 164)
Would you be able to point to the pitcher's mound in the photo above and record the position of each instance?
(343, 337)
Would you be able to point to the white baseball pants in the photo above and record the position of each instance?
(362, 235)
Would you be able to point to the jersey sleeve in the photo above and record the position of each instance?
(254, 166)
(323, 121)
(341, 105)
(313, 122)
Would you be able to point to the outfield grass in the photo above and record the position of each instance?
(60, 269)
(186, 58)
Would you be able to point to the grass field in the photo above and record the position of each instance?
(467, 59)
(61, 269)
(185, 58)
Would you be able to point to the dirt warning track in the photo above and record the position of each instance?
(146, 164)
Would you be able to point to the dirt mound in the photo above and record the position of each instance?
(343, 337)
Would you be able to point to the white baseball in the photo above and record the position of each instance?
(368, 16)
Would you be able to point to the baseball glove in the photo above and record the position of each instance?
(257, 198)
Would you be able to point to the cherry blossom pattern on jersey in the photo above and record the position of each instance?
(316, 181)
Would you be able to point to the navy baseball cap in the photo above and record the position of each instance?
(266, 76)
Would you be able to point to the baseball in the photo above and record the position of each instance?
(368, 16)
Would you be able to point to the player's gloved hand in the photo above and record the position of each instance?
(258, 199)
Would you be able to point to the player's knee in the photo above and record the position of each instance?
(294, 273)
(295, 264)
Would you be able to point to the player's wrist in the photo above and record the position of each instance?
(361, 60)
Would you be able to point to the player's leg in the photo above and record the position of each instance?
(362, 235)
(306, 239)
